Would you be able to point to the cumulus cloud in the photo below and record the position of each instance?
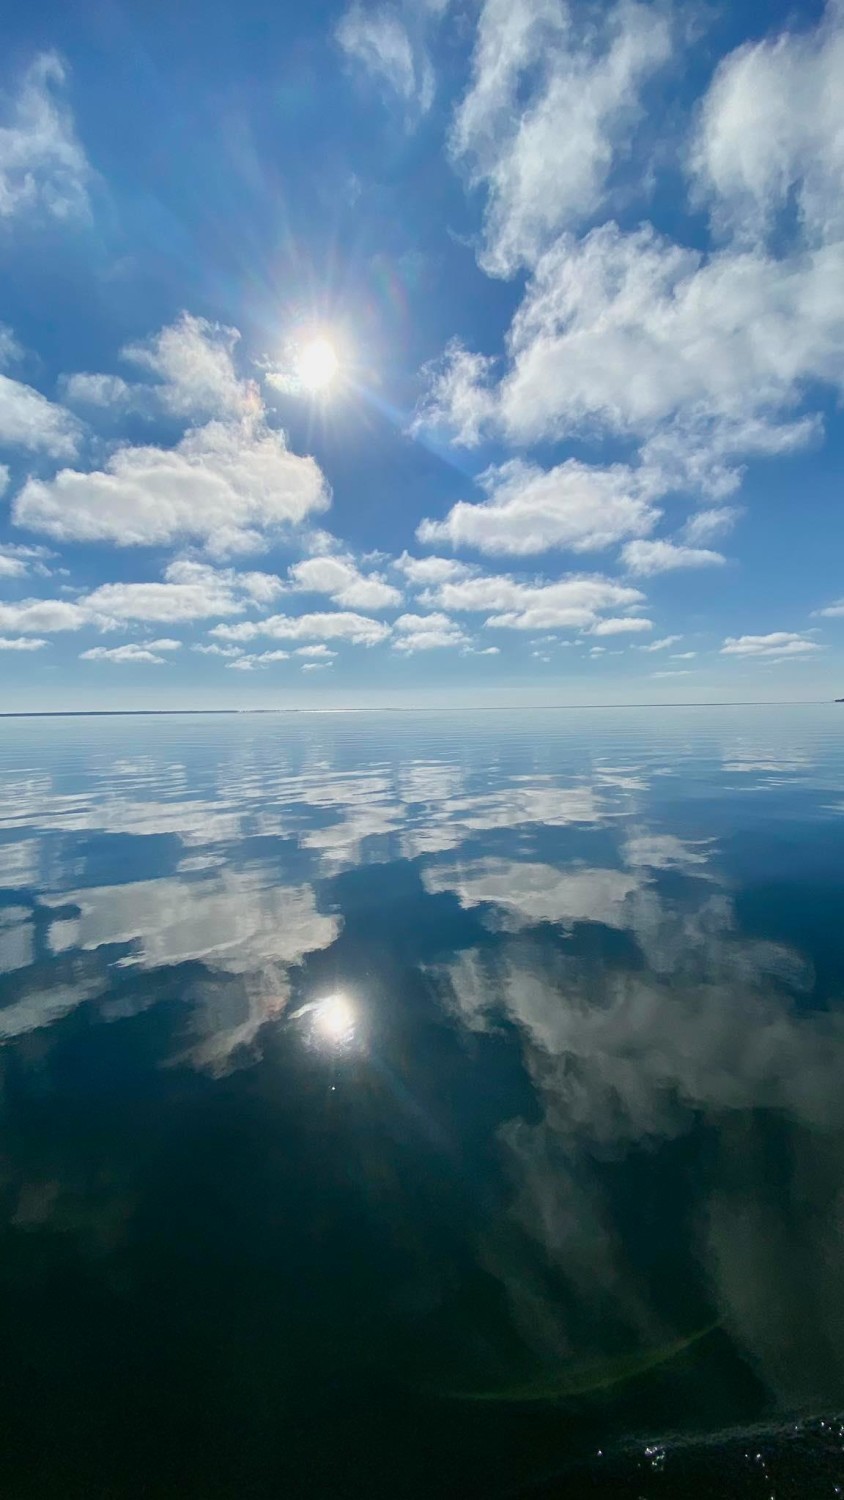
(425, 571)
(214, 650)
(44, 172)
(323, 652)
(389, 44)
(190, 591)
(780, 643)
(530, 510)
(223, 485)
(426, 633)
(646, 558)
(575, 601)
(832, 611)
(549, 105)
(21, 643)
(621, 626)
(662, 644)
(243, 663)
(83, 389)
(336, 625)
(193, 359)
(628, 330)
(340, 578)
(37, 616)
(771, 131)
(127, 653)
(29, 421)
(17, 561)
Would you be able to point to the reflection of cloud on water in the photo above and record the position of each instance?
(17, 938)
(19, 863)
(664, 851)
(530, 893)
(231, 921)
(42, 1005)
(195, 822)
(247, 934)
(710, 1032)
(524, 802)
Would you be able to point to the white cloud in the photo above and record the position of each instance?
(627, 330)
(661, 645)
(215, 650)
(380, 41)
(21, 643)
(43, 168)
(316, 666)
(430, 570)
(548, 107)
(833, 611)
(336, 625)
(191, 591)
(340, 578)
(165, 644)
(120, 654)
(621, 626)
(241, 663)
(222, 485)
(680, 672)
(11, 564)
(530, 510)
(706, 525)
(10, 348)
(683, 655)
(193, 359)
(426, 633)
(28, 420)
(37, 616)
(771, 133)
(321, 651)
(96, 390)
(780, 643)
(646, 558)
(574, 602)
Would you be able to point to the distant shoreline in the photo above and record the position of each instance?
(486, 708)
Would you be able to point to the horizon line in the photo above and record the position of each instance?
(116, 713)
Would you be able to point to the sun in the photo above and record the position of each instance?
(317, 365)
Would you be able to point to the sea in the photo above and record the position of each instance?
(423, 1104)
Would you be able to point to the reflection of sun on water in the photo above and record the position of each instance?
(317, 364)
(334, 1018)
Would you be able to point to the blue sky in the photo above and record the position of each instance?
(420, 353)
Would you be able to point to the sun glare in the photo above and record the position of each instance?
(317, 365)
(335, 1018)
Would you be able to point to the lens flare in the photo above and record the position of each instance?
(317, 365)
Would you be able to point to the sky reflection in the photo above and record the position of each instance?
(588, 1024)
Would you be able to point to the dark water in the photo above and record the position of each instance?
(418, 1106)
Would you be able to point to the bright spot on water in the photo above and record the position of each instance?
(317, 364)
(334, 1018)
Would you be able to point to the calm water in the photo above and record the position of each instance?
(401, 1105)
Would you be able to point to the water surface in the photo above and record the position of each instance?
(417, 1105)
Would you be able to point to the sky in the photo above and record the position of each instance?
(425, 353)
